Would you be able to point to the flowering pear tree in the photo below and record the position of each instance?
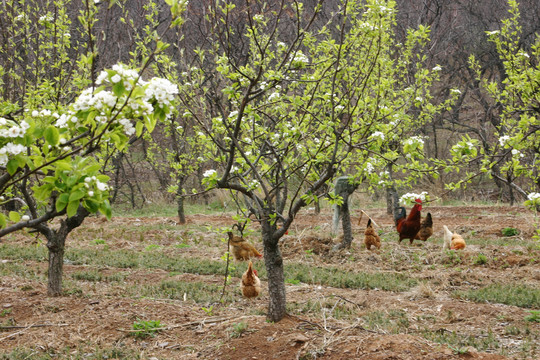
(512, 156)
(55, 139)
(301, 109)
(47, 154)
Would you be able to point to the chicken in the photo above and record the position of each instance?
(408, 226)
(371, 237)
(426, 228)
(251, 284)
(241, 249)
(454, 241)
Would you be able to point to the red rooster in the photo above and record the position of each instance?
(408, 226)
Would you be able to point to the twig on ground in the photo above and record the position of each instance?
(18, 332)
(309, 322)
(30, 326)
(198, 322)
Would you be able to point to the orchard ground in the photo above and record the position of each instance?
(401, 302)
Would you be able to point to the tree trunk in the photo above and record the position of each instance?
(55, 244)
(347, 228)
(276, 278)
(392, 199)
(317, 207)
(56, 241)
(180, 201)
(181, 210)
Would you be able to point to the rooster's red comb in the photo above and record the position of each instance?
(418, 201)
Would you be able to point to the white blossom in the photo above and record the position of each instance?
(116, 78)
(378, 134)
(503, 140)
(101, 186)
(413, 140)
(209, 173)
(369, 168)
(162, 90)
(411, 197)
(437, 68)
(25, 218)
(533, 196)
(298, 60)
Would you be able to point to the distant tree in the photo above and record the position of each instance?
(512, 156)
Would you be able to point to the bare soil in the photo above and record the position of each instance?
(101, 315)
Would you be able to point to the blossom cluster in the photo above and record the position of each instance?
(209, 173)
(414, 140)
(10, 149)
(157, 91)
(299, 60)
(11, 130)
(533, 196)
(369, 167)
(92, 183)
(503, 140)
(120, 72)
(162, 90)
(411, 197)
(378, 134)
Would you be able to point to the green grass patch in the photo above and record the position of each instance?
(336, 277)
(510, 231)
(517, 295)
(13, 268)
(96, 276)
(459, 342)
(156, 259)
(534, 316)
(198, 292)
(146, 328)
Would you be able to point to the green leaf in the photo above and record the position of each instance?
(14, 216)
(150, 122)
(61, 202)
(72, 180)
(91, 205)
(12, 166)
(139, 128)
(64, 165)
(76, 195)
(92, 169)
(118, 88)
(3, 221)
(72, 208)
(52, 136)
(105, 209)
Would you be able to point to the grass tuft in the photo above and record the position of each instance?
(517, 295)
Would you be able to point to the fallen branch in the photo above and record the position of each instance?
(198, 322)
(30, 326)
(24, 328)
(309, 322)
(369, 217)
